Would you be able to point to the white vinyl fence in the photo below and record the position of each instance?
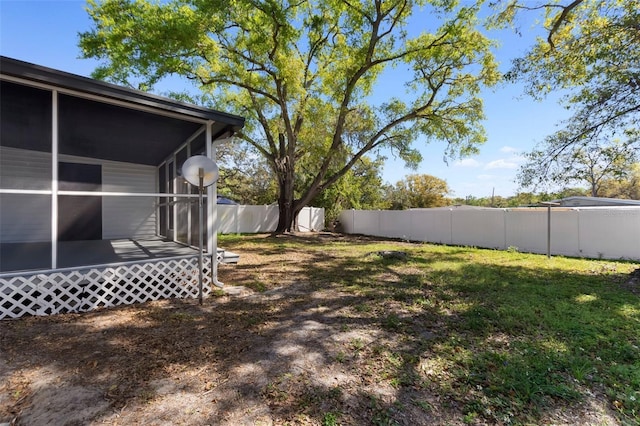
(593, 232)
(236, 219)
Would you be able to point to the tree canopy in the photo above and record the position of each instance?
(590, 161)
(304, 75)
(591, 50)
(359, 188)
(628, 188)
(244, 176)
(419, 191)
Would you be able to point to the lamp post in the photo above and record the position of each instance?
(200, 171)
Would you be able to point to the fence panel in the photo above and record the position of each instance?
(526, 229)
(367, 223)
(565, 232)
(433, 225)
(597, 232)
(254, 219)
(394, 224)
(311, 219)
(227, 219)
(235, 219)
(610, 233)
(480, 228)
(347, 219)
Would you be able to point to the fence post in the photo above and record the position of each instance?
(412, 220)
(353, 221)
(451, 225)
(236, 218)
(504, 228)
(549, 204)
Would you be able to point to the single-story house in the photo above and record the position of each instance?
(93, 210)
(580, 201)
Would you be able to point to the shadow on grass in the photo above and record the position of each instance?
(357, 339)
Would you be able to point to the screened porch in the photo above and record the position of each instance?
(90, 176)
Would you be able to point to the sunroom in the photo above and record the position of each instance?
(93, 208)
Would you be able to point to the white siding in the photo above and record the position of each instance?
(23, 169)
(125, 217)
(25, 217)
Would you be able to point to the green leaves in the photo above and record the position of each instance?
(559, 161)
(419, 191)
(304, 73)
(592, 51)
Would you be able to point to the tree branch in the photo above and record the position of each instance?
(566, 10)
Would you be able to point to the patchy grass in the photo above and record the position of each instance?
(506, 336)
(336, 334)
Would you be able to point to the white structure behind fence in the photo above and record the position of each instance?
(594, 232)
(237, 219)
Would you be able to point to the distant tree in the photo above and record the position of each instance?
(302, 73)
(524, 199)
(591, 162)
(244, 176)
(521, 199)
(360, 188)
(469, 200)
(628, 188)
(419, 191)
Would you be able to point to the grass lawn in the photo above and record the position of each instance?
(499, 336)
(332, 333)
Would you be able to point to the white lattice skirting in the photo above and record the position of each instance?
(82, 289)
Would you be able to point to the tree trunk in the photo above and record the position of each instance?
(286, 202)
(288, 206)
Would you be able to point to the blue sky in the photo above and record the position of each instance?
(46, 33)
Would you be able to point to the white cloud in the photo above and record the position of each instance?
(468, 162)
(509, 149)
(511, 163)
(486, 177)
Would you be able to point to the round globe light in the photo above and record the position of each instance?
(200, 166)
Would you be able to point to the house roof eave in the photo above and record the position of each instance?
(62, 79)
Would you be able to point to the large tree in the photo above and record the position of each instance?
(591, 51)
(359, 188)
(419, 191)
(304, 74)
(591, 161)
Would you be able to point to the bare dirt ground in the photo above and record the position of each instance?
(294, 354)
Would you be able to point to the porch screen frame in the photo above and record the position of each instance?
(54, 192)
